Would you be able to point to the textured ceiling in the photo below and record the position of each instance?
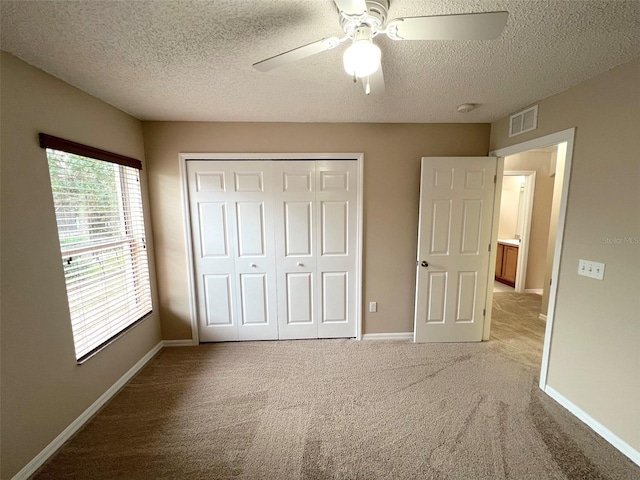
(192, 60)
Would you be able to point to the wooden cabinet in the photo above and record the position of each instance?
(506, 264)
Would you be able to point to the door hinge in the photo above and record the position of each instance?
(484, 312)
(489, 247)
(495, 179)
(550, 281)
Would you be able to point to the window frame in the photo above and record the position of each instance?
(59, 144)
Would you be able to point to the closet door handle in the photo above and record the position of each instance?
(300, 264)
(252, 265)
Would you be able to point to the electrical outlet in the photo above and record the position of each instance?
(373, 307)
(591, 269)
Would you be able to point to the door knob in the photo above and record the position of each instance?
(300, 264)
(253, 265)
(424, 263)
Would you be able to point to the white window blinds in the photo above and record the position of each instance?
(98, 207)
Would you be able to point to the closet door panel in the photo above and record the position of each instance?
(212, 228)
(251, 229)
(335, 297)
(336, 198)
(253, 299)
(295, 226)
(275, 248)
(218, 299)
(255, 262)
(299, 298)
(334, 228)
(234, 254)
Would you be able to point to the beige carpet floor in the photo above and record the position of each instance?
(516, 327)
(338, 409)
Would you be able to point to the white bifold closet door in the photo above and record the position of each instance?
(233, 248)
(275, 250)
(315, 216)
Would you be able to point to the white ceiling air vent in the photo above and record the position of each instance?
(523, 121)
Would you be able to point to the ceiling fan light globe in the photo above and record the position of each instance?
(362, 58)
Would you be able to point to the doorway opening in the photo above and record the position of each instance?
(524, 225)
(514, 225)
(527, 244)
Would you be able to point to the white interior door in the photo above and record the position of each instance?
(275, 248)
(336, 213)
(454, 234)
(316, 247)
(295, 226)
(234, 257)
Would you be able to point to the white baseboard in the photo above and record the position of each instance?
(31, 467)
(537, 291)
(542, 317)
(178, 343)
(596, 426)
(388, 336)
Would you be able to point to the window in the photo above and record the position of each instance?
(98, 205)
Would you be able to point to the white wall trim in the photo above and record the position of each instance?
(179, 343)
(491, 275)
(182, 160)
(604, 432)
(537, 291)
(186, 222)
(39, 460)
(359, 246)
(567, 149)
(565, 140)
(388, 336)
(536, 143)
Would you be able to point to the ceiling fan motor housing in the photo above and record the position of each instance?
(363, 32)
(375, 17)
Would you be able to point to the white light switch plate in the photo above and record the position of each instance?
(373, 307)
(591, 269)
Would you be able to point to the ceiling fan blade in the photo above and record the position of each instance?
(468, 26)
(351, 7)
(297, 54)
(374, 84)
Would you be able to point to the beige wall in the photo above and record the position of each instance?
(509, 206)
(538, 162)
(594, 360)
(391, 192)
(43, 389)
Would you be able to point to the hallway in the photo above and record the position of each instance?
(516, 327)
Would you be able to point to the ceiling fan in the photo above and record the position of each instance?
(363, 20)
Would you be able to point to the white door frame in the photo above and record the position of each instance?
(182, 166)
(523, 250)
(564, 136)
